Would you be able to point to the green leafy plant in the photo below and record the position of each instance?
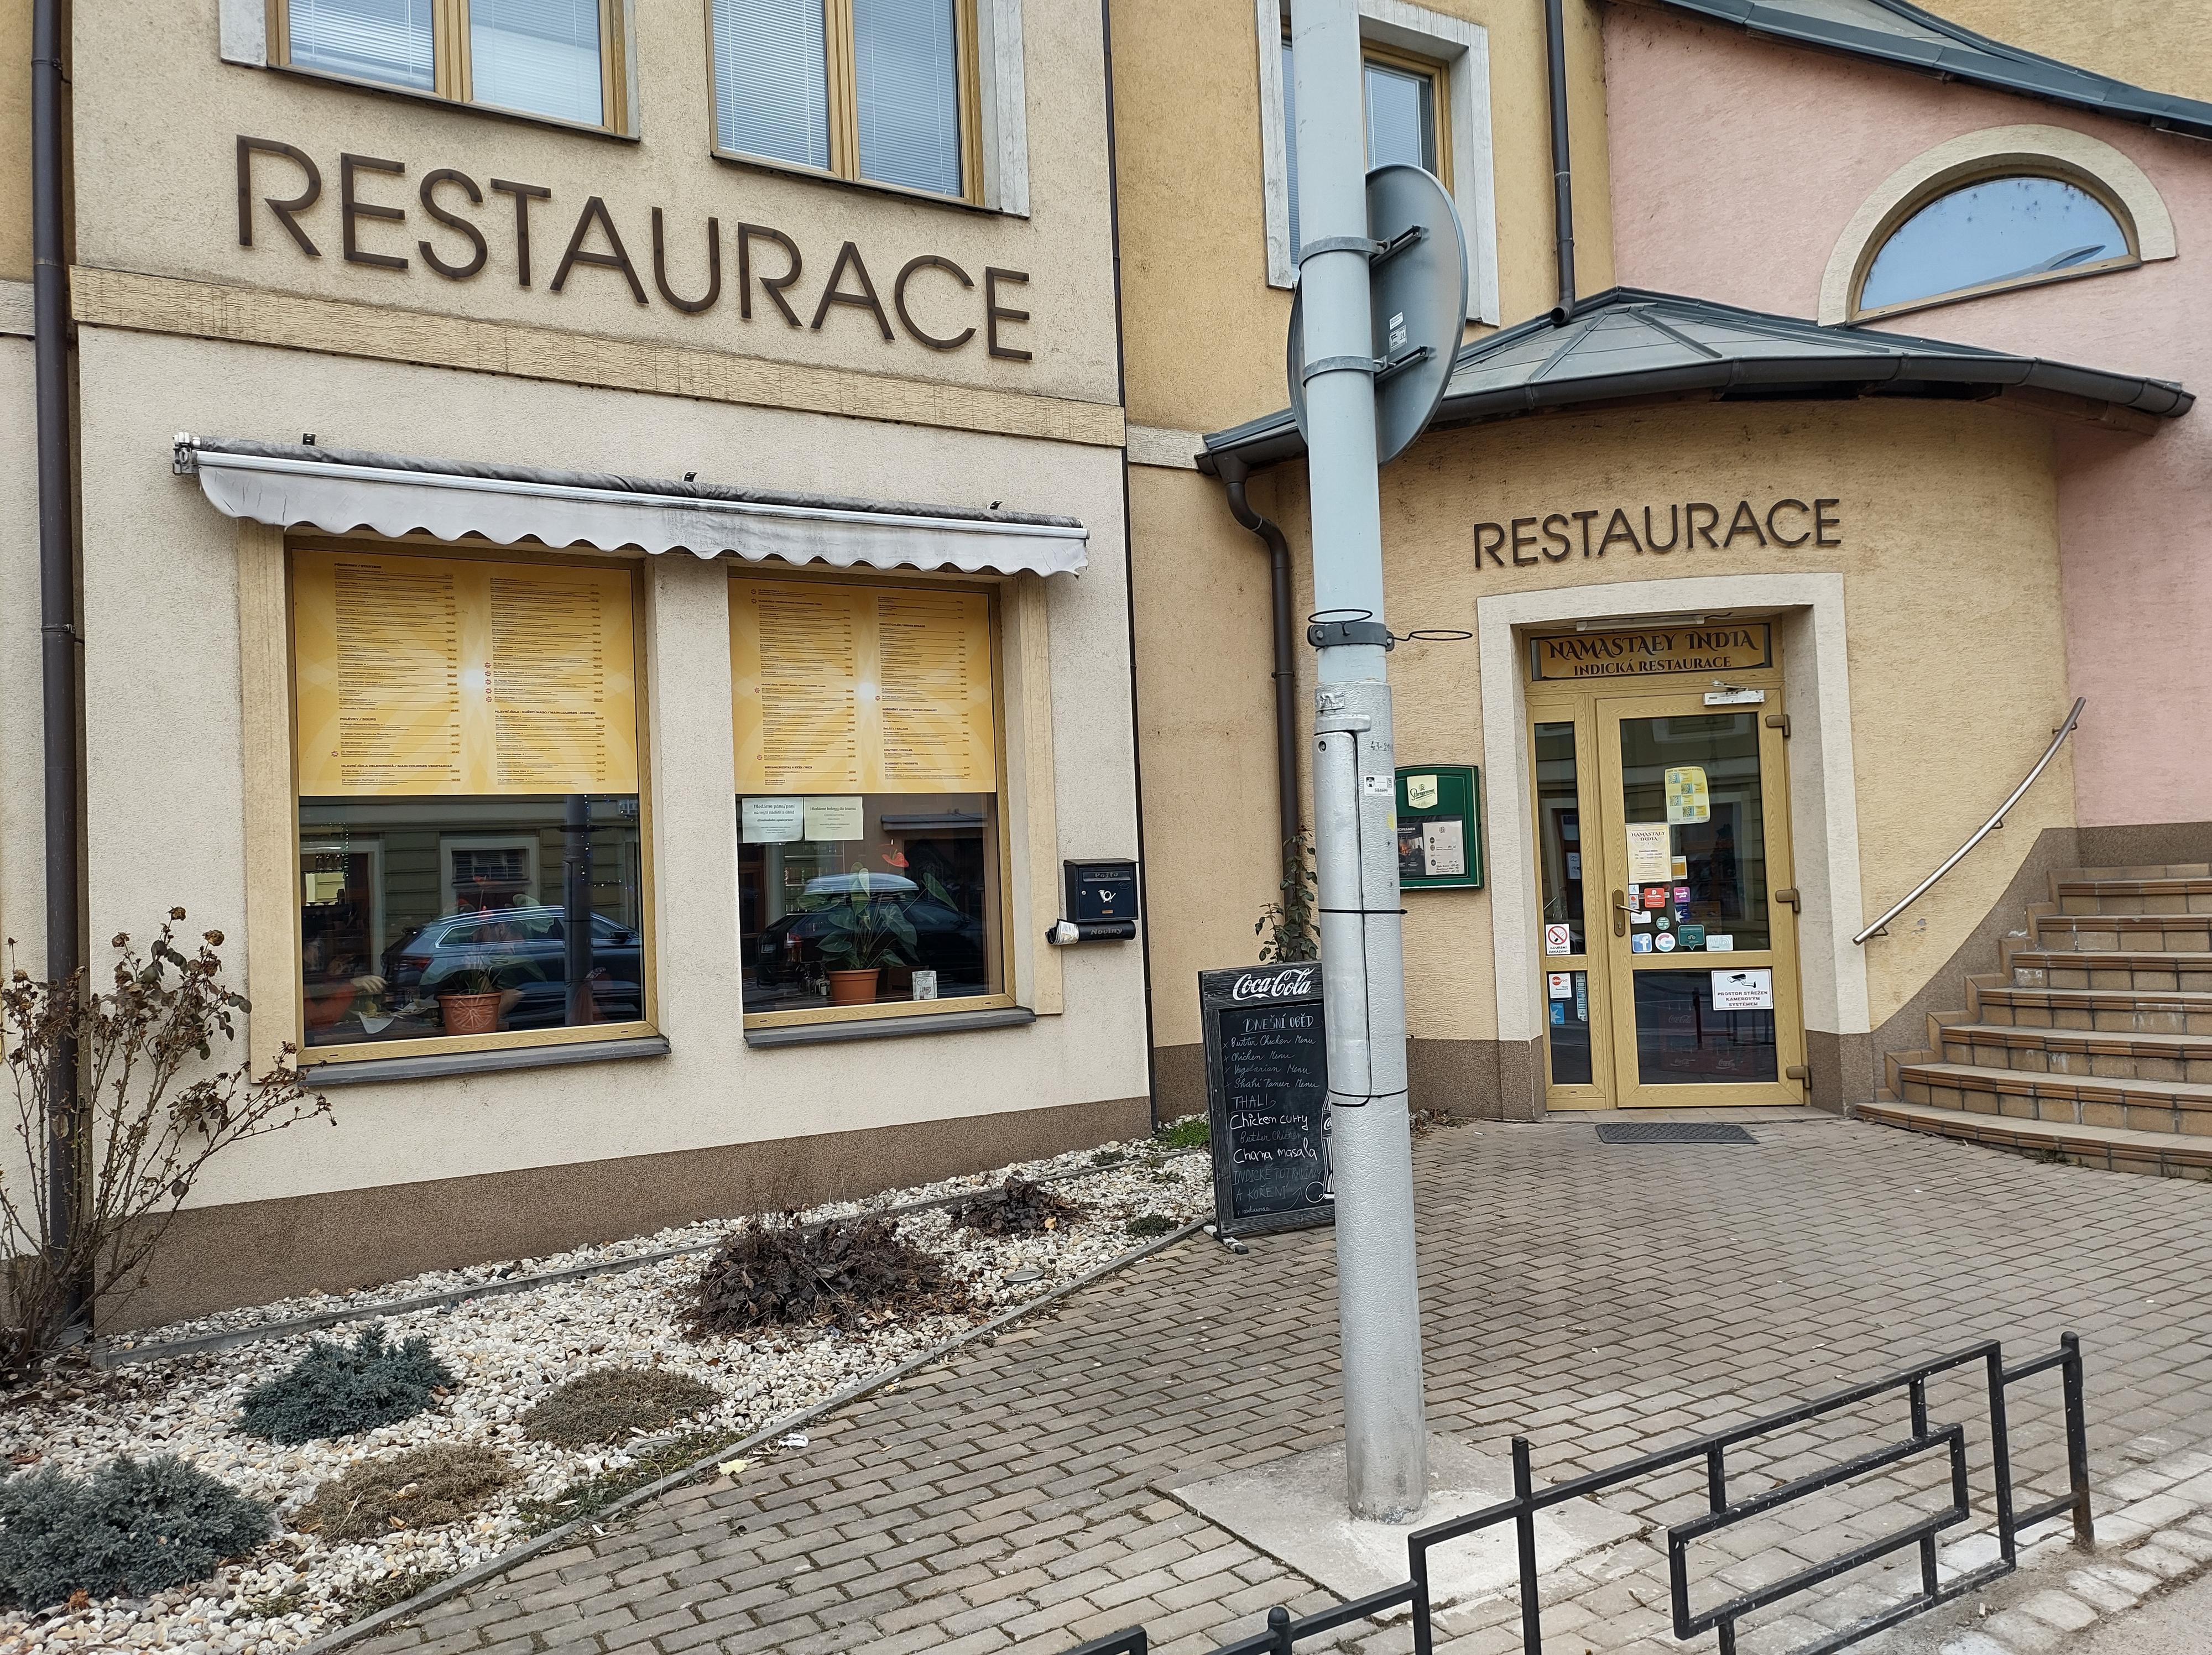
(1290, 928)
(333, 1391)
(134, 1527)
(473, 973)
(422, 1488)
(784, 1275)
(613, 1404)
(1192, 1132)
(89, 1190)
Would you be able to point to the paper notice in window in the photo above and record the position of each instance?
(1650, 854)
(806, 710)
(1749, 990)
(839, 816)
(1686, 797)
(1445, 841)
(933, 691)
(424, 675)
(771, 821)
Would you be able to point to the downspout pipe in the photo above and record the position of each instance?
(1233, 474)
(57, 631)
(1563, 180)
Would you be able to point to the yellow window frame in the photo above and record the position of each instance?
(842, 75)
(452, 81)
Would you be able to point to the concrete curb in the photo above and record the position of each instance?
(491, 1567)
(108, 1356)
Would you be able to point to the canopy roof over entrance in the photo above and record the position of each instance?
(294, 485)
(1895, 31)
(1627, 342)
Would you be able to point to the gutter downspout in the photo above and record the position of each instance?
(1563, 182)
(1129, 568)
(57, 631)
(1233, 474)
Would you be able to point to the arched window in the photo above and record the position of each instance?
(2011, 230)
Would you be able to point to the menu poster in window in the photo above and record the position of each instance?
(426, 675)
(1650, 860)
(848, 689)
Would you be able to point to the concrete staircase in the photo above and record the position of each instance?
(2092, 1043)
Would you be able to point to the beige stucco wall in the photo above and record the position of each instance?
(159, 115)
(16, 141)
(1955, 648)
(2155, 43)
(1205, 330)
(166, 769)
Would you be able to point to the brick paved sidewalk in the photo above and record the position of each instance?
(1599, 1298)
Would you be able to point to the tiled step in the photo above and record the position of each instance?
(2168, 871)
(2081, 1053)
(2176, 1106)
(2158, 1153)
(2158, 895)
(2118, 1011)
(2137, 968)
(2125, 933)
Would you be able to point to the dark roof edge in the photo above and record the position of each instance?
(1891, 358)
(1979, 59)
(607, 481)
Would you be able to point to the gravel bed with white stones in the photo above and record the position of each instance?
(508, 1350)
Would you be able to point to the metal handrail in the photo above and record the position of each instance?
(1950, 861)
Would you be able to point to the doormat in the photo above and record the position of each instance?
(1673, 1132)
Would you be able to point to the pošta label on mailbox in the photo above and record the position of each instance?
(1266, 1094)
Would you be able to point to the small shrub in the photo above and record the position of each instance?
(1145, 1226)
(1016, 1208)
(134, 1527)
(613, 1404)
(419, 1489)
(1108, 1158)
(392, 1589)
(779, 1275)
(589, 1495)
(333, 1391)
(1192, 1132)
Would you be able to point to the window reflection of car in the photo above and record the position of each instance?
(526, 951)
(945, 939)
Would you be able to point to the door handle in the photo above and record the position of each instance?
(1788, 894)
(1620, 909)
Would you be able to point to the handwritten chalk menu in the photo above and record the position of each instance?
(1266, 1084)
(423, 675)
(841, 688)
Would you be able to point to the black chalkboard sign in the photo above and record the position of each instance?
(1266, 1090)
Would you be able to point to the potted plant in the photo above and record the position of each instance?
(862, 932)
(469, 998)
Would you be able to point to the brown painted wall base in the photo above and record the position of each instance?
(249, 1253)
(1179, 1072)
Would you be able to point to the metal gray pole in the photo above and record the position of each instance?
(1355, 772)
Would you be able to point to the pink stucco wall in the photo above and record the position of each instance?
(1736, 164)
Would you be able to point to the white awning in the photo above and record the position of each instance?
(340, 491)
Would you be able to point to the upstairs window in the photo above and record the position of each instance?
(878, 91)
(1995, 233)
(558, 59)
(1405, 108)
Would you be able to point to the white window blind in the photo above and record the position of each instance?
(542, 55)
(1401, 124)
(771, 80)
(386, 40)
(906, 61)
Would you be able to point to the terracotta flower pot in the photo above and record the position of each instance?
(471, 1013)
(854, 988)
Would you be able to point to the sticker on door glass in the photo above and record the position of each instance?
(1639, 944)
(1720, 942)
(1655, 898)
(1664, 942)
(1558, 939)
(1574, 864)
(1420, 793)
(1582, 996)
(1650, 847)
(1560, 1012)
(1681, 868)
(1560, 984)
(1693, 936)
(1641, 917)
(1748, 990)
(1687, 799)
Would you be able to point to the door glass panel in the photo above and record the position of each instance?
(1569, 1015)
(1558, 829)
(1680, 1040)
(1696, 775)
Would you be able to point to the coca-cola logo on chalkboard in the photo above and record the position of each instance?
(1288, 984)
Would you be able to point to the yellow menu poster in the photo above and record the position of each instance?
(855, 689)
(419, 675)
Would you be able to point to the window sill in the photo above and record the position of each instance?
(887, 1028)
(871, 186)
(432, 1066)
(323, 77)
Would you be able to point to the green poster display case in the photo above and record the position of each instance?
(1439, 827)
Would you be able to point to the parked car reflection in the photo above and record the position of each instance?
(523, 952)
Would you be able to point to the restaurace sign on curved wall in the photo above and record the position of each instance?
(1690, 526)
(937, 302)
